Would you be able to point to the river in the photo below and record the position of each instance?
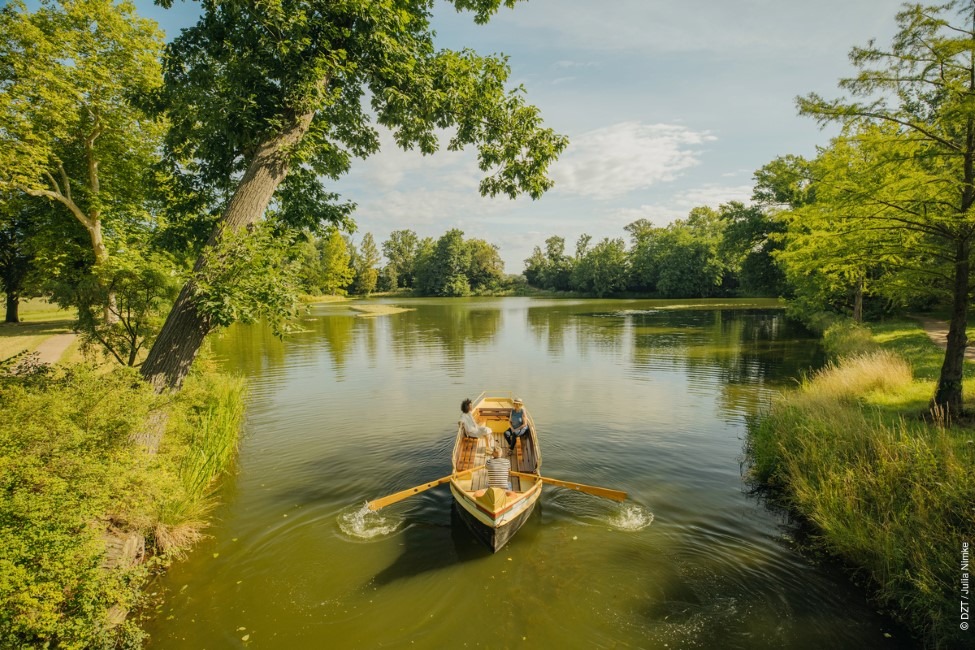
(650, 397)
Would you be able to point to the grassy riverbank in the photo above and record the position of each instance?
(888, 488)
(90, 505)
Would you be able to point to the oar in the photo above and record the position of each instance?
(399, 496)
(615, 495)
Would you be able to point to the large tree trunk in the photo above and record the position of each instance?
(948, 396)
(13, 307)
(180, 339)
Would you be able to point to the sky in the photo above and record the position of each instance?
(667, 106)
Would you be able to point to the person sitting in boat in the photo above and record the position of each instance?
(472, 429)
(499, 473)
(518, 424)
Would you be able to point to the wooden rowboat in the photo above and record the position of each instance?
(496, 515)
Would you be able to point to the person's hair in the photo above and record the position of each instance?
(465, 406)
(497, 452)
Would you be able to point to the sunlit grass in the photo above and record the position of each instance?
(38, 309)
(889, 490)
(41, 320)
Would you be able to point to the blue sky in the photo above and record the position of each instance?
(667, 105)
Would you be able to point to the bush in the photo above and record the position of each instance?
(72, 477)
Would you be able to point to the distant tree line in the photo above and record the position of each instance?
(448, 266)
(728, 251)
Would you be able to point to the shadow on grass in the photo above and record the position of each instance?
(39, 328)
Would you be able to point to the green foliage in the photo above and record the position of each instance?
(845, 338)
(748, 243)
(250, 276)
(552, 269)
(684, 259)
(201, 444)
(335, 258)
(486, 269)
(400, 251)
(21, 229)
(602, 270)
(71, 473)
(364, 260)
(68, 469)
(244, 72)
(70, 130)
(901, 178)
(137, 287)
(442, 267)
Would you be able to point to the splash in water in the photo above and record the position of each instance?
(631, 517)
(363, 523)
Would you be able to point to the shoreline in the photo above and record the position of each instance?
(853, 452)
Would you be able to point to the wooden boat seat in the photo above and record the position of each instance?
(494, 412)
(468, 454)
(495, 418)
(524, 459)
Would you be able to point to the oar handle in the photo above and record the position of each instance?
(615, 495)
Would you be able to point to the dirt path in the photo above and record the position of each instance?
(52, 348)
(937, 331)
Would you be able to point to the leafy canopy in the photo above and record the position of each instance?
(248, 70)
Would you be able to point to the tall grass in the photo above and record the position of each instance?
(203, 437)
(892, 496)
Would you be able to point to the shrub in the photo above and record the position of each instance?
(72, 475)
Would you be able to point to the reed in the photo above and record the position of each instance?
(203, 433)
(889, 494)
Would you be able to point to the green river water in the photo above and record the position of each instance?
(645, 396)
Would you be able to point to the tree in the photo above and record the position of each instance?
(142, 284)
(364, 260)
(644, 255)
(270, 95)
(336, 273)
(602, 270)
(834, 245)
(535, 268)
(442, 270)
(749, 243)
(400, 251)
(69, 130)
(558, 271)
(486, 268)
(682, 260)
(551, 269)
(17, 228)
(923, 88)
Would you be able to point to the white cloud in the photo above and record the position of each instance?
(683, 202)
(714, 195)
(612, 161)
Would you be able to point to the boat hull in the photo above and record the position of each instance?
(492, 533)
